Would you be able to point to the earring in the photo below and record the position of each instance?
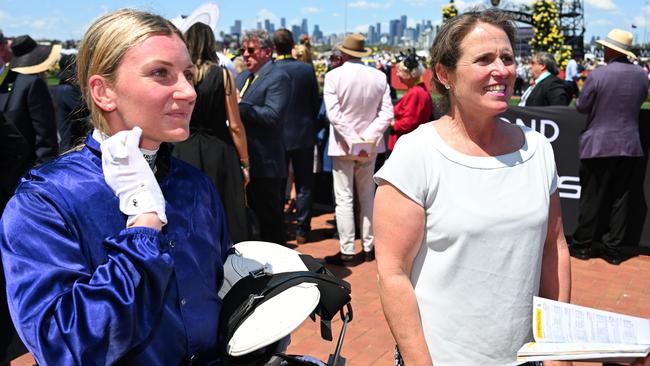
(447, 86)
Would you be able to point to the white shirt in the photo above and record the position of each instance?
(357, 100)
(479, 263)
(571, 70)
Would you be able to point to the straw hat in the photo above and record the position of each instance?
(31, 57)
(354, 45)
(618, 40)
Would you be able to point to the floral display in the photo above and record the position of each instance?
(547, 35)
(449, 11)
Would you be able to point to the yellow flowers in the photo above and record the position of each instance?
(449, 11)
(547, 36)
(320, 68)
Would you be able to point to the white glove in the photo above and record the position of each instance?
(130, 177)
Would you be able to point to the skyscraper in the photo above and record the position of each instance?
(304, 29)
(296, 33)
(236, 28)
(371, 35)
(317, 35)
(393, 26)
(283, 22)
(269, 26)
(409, 34)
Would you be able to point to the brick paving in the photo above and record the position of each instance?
(595, 283)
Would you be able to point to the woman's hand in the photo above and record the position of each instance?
(247, 175)
(130, 177)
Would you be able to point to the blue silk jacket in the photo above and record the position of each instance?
(83, 290)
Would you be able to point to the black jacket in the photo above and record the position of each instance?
(14, 152)
(26, 103)
(263, 109)
(304, 103)
(550, 91)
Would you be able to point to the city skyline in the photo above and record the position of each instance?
(48, 19)
(397, 31)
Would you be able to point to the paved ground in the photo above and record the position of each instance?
(624, 288)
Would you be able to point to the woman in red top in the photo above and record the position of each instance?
(416, 105)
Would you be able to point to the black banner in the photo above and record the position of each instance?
(562, 126)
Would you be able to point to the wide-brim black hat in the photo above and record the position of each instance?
(31, 57)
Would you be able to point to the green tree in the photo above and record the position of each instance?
(547, 36)
(449, 11)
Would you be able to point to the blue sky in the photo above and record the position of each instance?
(67, 19)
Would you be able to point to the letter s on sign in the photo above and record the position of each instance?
(569, 187)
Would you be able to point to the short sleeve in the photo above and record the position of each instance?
(405, 169)
(551, 168)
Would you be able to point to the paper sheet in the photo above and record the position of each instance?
(566, 323)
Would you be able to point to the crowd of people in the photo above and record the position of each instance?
(157, 153)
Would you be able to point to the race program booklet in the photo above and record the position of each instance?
(357, 146)
(570, 332)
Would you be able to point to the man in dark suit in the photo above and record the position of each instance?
(299, 127)
(548, 89)
(25, 99)
(264, 91)
(611, 156)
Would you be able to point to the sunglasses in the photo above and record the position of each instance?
(251, 50)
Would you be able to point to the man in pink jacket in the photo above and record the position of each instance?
(357, 99)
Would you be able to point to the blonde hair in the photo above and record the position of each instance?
(106, 42)
(414, 73)
(302, 53)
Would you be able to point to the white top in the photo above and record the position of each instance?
(571, 70)
(357, 100)
(480, 260)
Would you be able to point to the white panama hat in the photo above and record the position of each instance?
(278, 316)
(207, 13)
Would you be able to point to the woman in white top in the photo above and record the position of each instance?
(467, 215)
